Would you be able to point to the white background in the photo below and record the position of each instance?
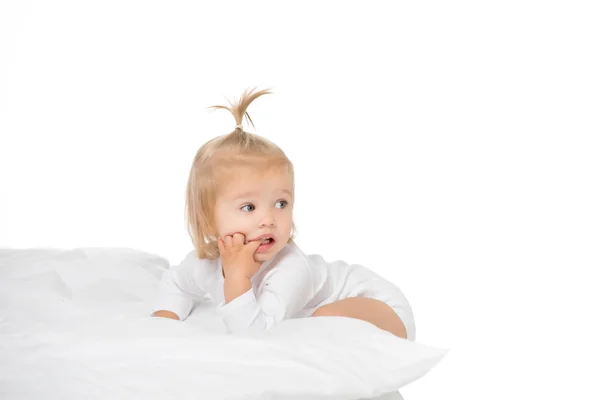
(449, 146)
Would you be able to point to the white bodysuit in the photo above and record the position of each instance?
(290, 285)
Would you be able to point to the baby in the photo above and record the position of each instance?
(240, 200)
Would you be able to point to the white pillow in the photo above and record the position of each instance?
(73, 324)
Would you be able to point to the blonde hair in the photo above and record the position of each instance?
(216, 161)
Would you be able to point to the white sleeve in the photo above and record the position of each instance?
(287, 289)
(181, 286)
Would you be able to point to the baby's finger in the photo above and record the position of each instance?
(252, 246)
(228, 241)
(238, 239)
(221, 245)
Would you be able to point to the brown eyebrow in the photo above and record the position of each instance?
(248, 194)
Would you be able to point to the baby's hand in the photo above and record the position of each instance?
(237, 257)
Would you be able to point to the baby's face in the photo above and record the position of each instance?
(255, 204)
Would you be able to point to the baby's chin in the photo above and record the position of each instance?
(263, 257)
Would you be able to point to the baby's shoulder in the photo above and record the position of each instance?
(319, 260)
(312, 260)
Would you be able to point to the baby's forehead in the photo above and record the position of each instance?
(257, 183)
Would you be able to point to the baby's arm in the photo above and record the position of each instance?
(179, 288)
(287, 289)
(166, 314)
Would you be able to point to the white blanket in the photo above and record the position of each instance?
(74, 324)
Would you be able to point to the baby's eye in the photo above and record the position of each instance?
(248, 205)
(285, 203)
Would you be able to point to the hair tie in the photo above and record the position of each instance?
(240, 127)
